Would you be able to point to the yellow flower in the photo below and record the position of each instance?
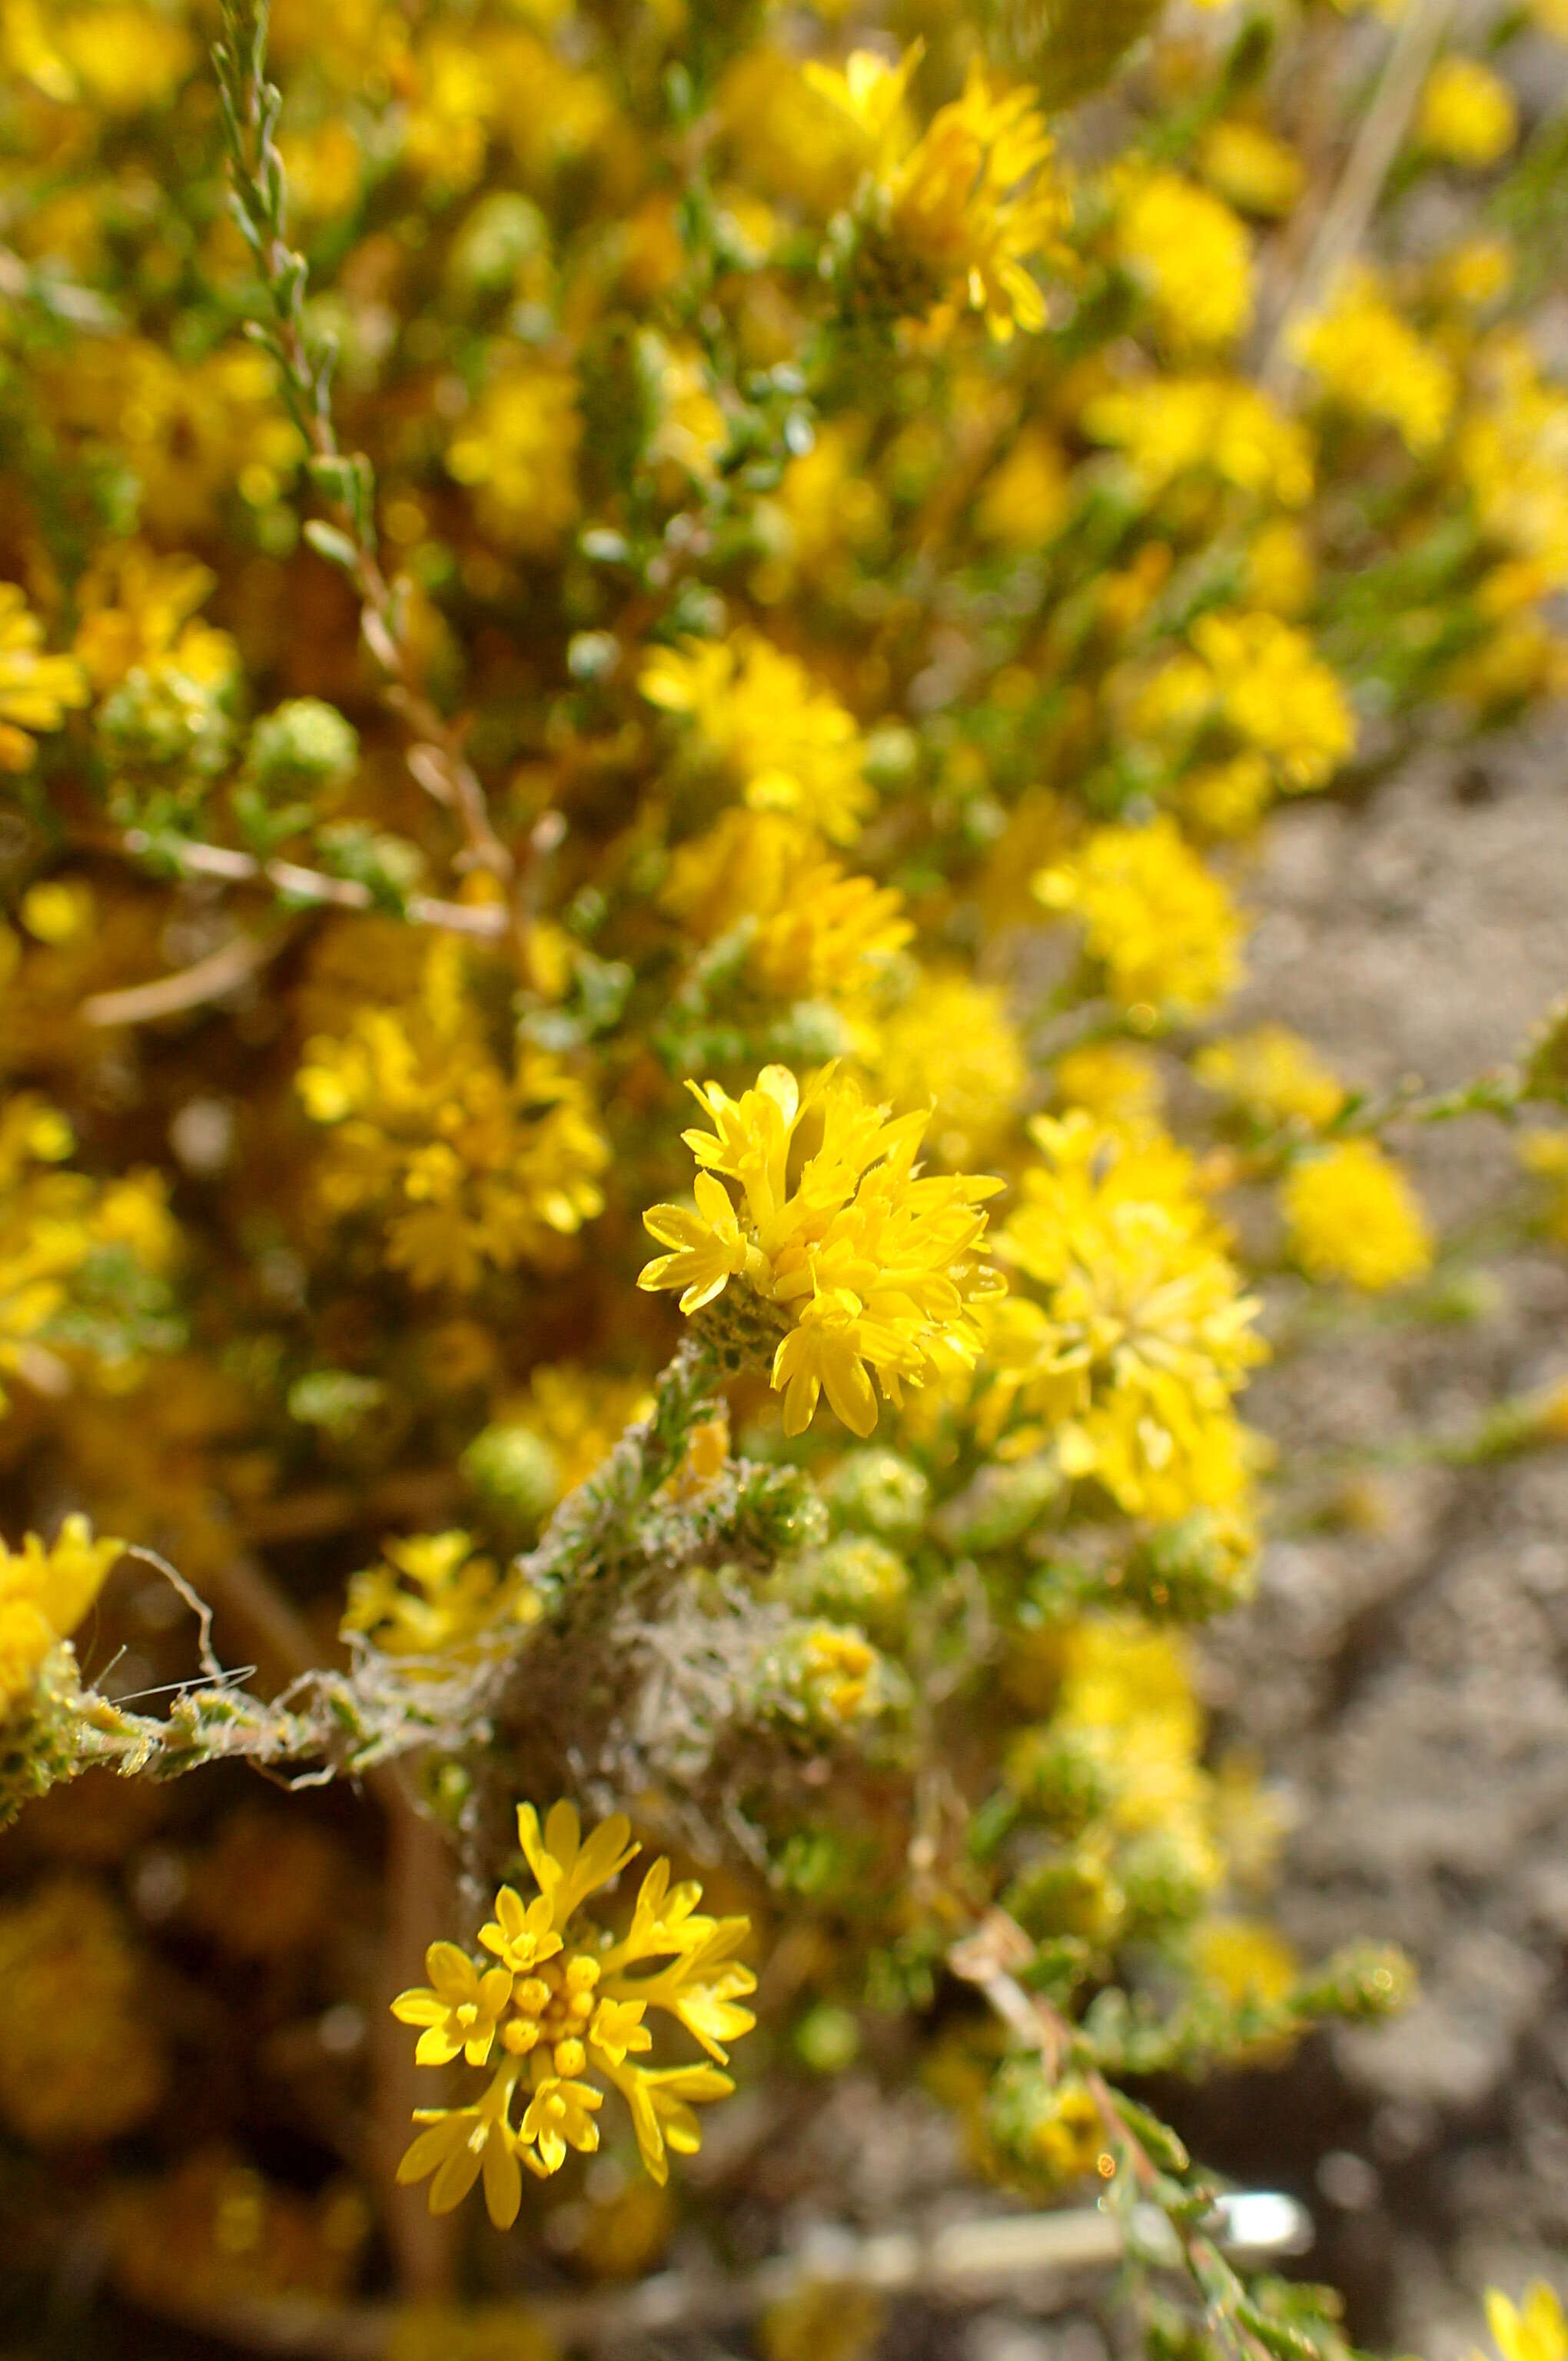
(1512, 455)
(1373, 364)
(818, 932)
(953, 1043)
(873, 1266)
(1164, 930)
(1129, 1336)
(1244, 1959)
(519, 451)
(35, 690)
(1029, 495)
(789, 746)
(460, 2009)
(1534, 2331)
(44, 1591)
(1467, 114)
(566, 2004)
(136, 611)
(1278, 695)
(1172, 425)
(1190, 251)
(1274, 1074)
(1352, 1214)
(1252, 168)
(956, 215)
(1121, 1086)
(469, 1165)
(58, 910)
(431, 1595)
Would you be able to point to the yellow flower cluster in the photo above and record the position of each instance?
(1373, 364)
(1161, 926)
(1512, 453)
(1467, 114)
(786, 744)
(1273, 1075)
(1126, 1334)
(1260, 680)
(44, 1591)
(1352, 1214)
(35, 690)
(872, 1265)
(518, 452)
(952, 1043)
(1190, 253)
(963, 209)
(431, 1596)
(1173, 426)
(470, 1164)
(66, 1241)
(560, 2012)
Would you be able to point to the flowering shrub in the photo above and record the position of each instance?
(653, 552)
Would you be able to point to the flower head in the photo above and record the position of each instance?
(789, 746)
(873, 1264)
(1352, 1214)
(1164, 929)
(564, 2015)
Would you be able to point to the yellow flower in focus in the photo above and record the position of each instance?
(1467, 114)
(518, 453)
(469, 1164)
(1533, 2331)
(953, 1043)
(1352, 1214)
(1274, 1074)
(873, 1265)
(561, 2017)
(44, 1594)
(1190, 253)
(1126, 1335)
(1164, 930)
(35, 690)
(1373, 364)
(790, 746)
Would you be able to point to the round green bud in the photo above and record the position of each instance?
(503, 231)
(878, 1492)
(515, 1475)
(855, 1579)
(305, 746)
(827, 2039)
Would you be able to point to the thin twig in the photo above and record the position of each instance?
(345, 480)
(222, 972)
(1347, 217)
(313, 886)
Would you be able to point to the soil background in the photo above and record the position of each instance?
(1406, 1676)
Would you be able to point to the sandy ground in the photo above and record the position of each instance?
(1409, 1678)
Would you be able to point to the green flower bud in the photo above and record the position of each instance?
(516, 1477)
(878, 1492)
(303, 747)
